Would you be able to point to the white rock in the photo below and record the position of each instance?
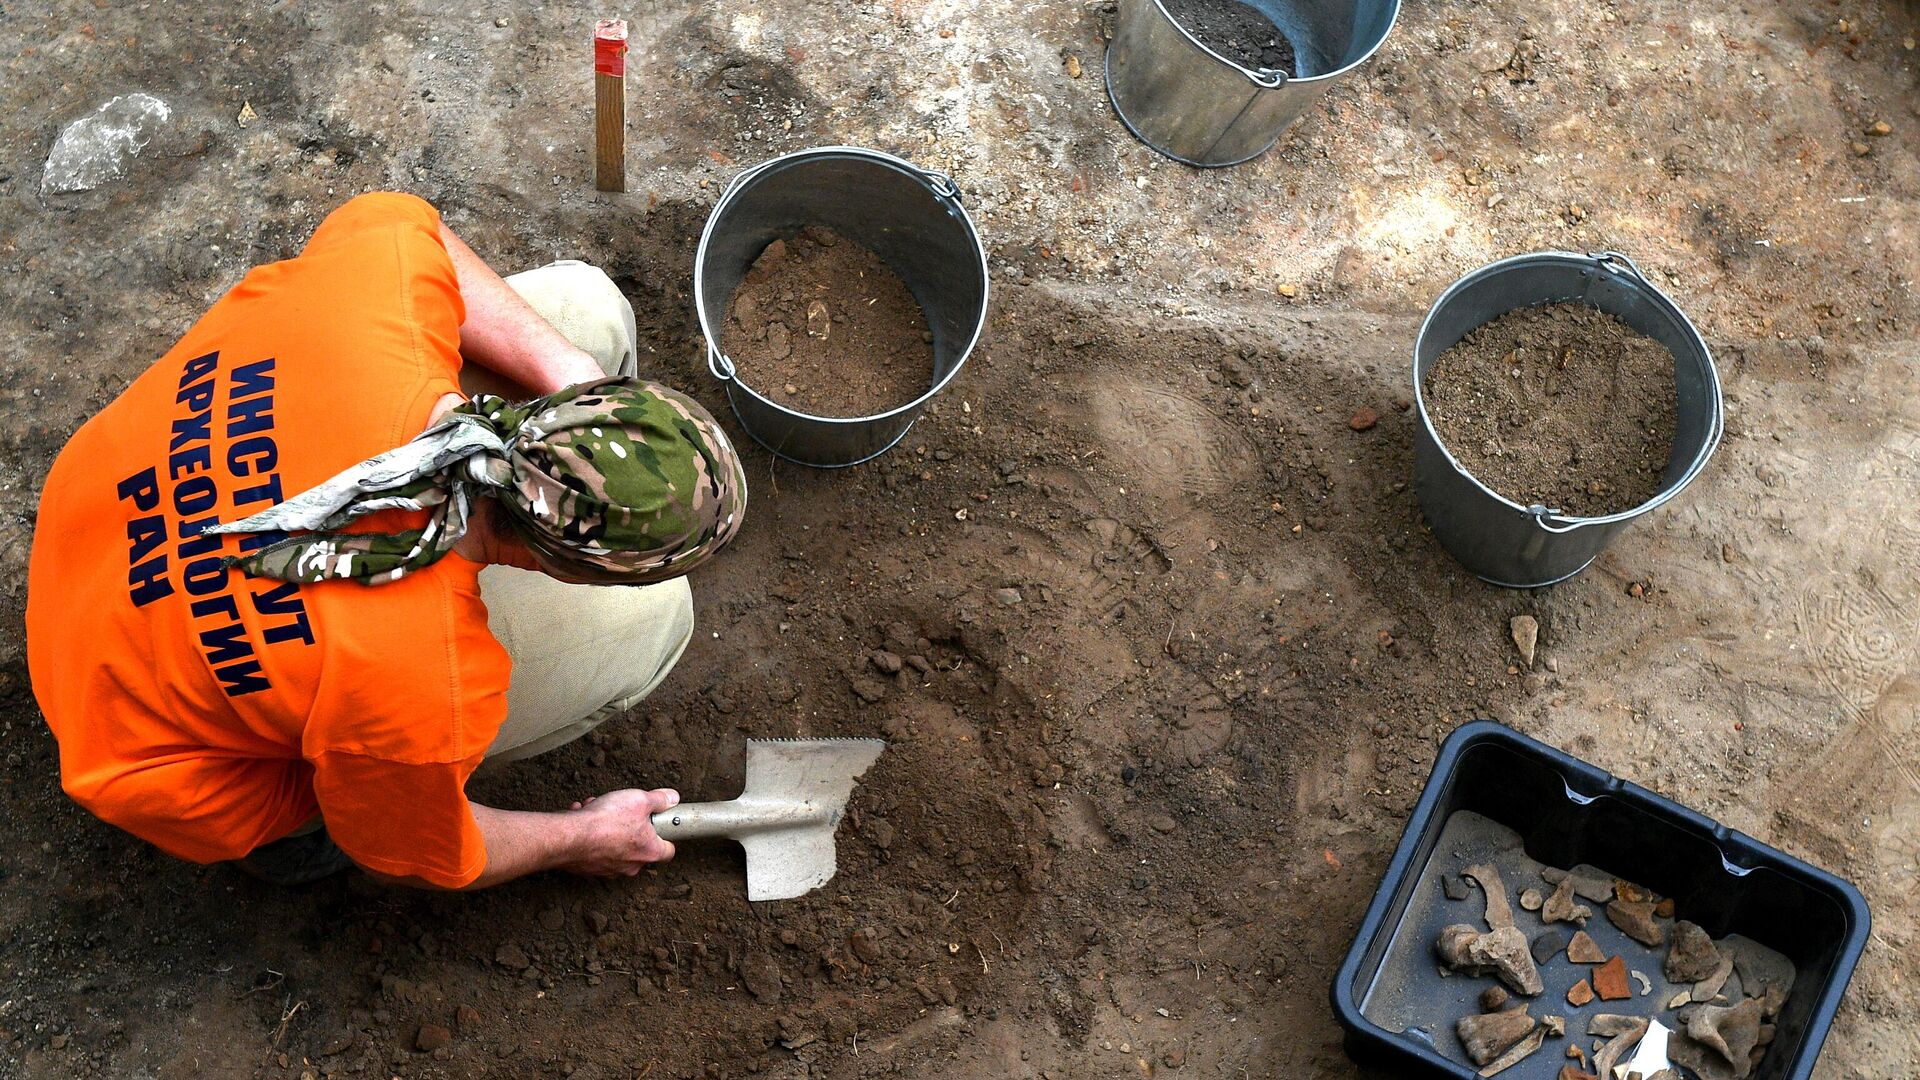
(95, 149)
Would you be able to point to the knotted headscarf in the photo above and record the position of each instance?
(618, 482)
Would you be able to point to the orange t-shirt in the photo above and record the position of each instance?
(208, 712)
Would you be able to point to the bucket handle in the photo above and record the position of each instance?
(1615, 262)
(719, 364)
(1618, 263)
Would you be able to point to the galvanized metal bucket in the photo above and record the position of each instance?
(908, 216)
(1196, 106)
(1524, 547)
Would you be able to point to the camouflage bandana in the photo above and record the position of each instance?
(616, 482)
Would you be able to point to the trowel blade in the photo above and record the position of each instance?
(806, 782)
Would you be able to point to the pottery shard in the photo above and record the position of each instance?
(1691, 955)
(1635, 919)
(1502, 953)
(1590, 882)
(1499, 912)
(1579, 993)
(1584, 950)
(1610, 980)
(1732, 1033)
(1486, 1036)
(1559, 907)
(1548, 945)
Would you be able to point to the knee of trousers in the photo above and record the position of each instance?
(588, 309)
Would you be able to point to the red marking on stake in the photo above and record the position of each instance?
(610, 47)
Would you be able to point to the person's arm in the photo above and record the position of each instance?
(606, 836)
(507, 337)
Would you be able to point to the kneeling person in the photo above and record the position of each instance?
(315, 680)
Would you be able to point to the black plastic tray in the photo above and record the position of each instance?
(1569, 812)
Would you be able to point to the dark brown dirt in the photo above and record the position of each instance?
(1237, 31)
(1561, 404)
(821, 324)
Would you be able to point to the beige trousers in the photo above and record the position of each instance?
(581, 653)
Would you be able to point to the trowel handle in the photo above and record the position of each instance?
(694, 821)
(738, 818)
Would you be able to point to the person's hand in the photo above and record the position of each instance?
(617, 832)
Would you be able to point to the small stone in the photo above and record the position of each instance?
(596, 921)
(1579, 994)
(59, 1042)
(879, 833)
(1664, 909)
(1073, 67)
(512, 957)
(466, 1018)
(1526, 637)
(1162, 823)
(1610, 980)
(1488, 1035)
(865, 944)
(1635, 919)
(1584, 950)
(1879, 129)
(431, 1037)
(887, 662)
(501, 20)
(1692, 956)
(339, 1042)
(1455, 887)
(552, 919)
(1548, 945)
(1530, 899)
(760, 974)
(1363, 418)
(1007, 596)
(1493, 999)
(1288, 291)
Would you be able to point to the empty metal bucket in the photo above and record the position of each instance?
(908, 216)
(1196, 106)
(1523, 547)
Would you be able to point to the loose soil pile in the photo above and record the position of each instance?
(1237, 31)
(822, 325)
(1562, 405)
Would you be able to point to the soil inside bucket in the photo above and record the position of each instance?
(1562, 405)
(821, 324)
(1238, 32)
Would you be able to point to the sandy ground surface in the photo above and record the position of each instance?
(1133, 819)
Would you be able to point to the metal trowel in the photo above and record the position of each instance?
(795, 796)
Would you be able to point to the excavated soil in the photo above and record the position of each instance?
(822, 325)
(1189, 649)
(1562, 405)
(1238, 31)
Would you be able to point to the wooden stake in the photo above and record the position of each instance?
(610, 105)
